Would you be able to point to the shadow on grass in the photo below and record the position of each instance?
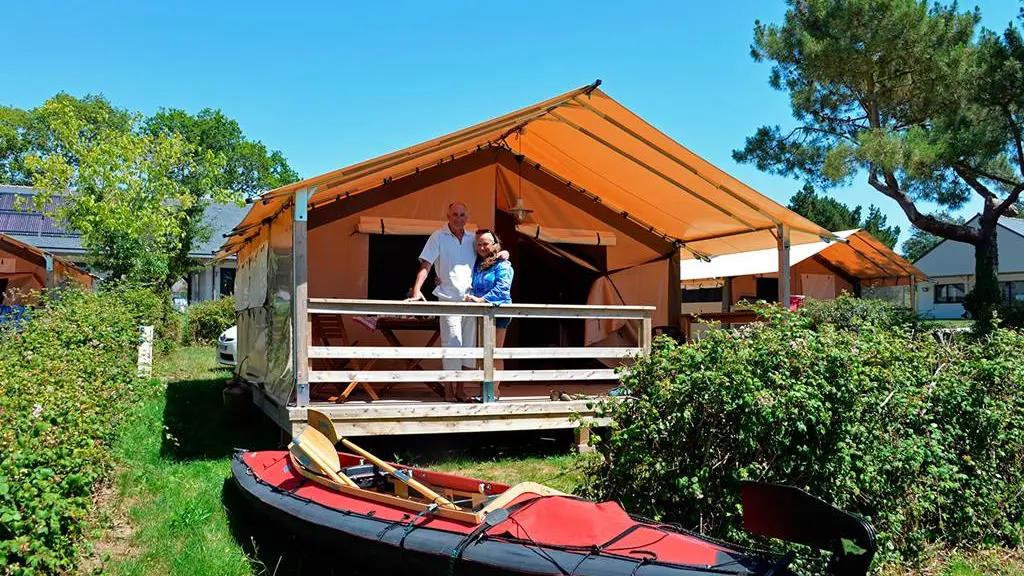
(273, 551)
(423, 449)
(197, 427)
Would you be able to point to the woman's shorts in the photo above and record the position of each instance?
(502, 322)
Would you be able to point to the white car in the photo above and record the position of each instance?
(227, 347)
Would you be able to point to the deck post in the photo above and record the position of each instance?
(489, 337)
(300, 299)
(784, 268)
(645, 336)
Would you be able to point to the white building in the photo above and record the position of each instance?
(950, 269)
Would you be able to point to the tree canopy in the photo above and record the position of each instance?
(834, 215)
(136, 188)
(908, 95)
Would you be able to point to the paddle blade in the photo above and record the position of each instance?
(312, 441)
(323, 424)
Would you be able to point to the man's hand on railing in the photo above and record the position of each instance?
(415, 297)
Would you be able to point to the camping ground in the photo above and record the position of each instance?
(171, 507)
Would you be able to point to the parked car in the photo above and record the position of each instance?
(227, 347)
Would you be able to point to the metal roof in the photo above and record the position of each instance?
(36, 228)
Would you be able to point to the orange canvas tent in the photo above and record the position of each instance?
(596, 205)
(25, 268)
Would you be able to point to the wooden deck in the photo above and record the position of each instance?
(420, 411)
(405, 400)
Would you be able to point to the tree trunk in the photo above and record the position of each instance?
(986, 295)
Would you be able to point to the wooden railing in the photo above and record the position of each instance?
(488, 352)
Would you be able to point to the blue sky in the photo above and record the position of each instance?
(333, 83)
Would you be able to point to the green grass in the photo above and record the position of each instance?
(176, 456)
(947, 323)
(174, 509)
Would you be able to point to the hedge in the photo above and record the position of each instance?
(206, 320)
(67, 380)
(922, 438)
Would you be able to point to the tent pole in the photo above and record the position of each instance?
(675, 291)
(727, 294)
(300, 299)
(784, 271)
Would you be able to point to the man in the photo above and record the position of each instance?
(452, 252)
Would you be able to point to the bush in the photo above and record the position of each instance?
(849, 312)
(67, 379)
(206, 320)
(151, 308)
(1011, 314)
(924, 440)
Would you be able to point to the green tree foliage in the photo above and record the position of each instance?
(920, 241)
(240, 169)
(116, 184)
(834, 215)
(171, 165)
(909, 95)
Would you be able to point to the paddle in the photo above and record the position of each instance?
(321, 422)
(316, 451)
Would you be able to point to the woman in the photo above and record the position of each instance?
(492, 282)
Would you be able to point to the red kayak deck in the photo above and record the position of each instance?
(560, 522)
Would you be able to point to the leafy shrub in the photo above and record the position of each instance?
(1011, 314)
(849, 312)
(924, 440)
(67, 379)
(206, 320)
(152, 308)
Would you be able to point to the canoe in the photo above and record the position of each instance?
(491, 528)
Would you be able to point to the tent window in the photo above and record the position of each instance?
(768, 289)
(703, 295)
(3, 289)
(950, 293)
(393, 263)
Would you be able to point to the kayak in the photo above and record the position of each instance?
(377, 517)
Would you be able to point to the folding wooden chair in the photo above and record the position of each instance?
(329, 330)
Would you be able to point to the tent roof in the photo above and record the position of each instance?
(600, 149)
(859, 255)
(30, 252)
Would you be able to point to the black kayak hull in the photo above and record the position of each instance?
(360, 540)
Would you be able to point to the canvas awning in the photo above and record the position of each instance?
(859, 255)
(600, 150)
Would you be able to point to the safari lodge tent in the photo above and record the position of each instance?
(858, 264)
(25, 269)
(597, 208)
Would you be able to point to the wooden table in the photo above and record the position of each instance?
(388, 325)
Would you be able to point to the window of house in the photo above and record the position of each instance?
(950, 293)
(703, 295)
(393, 262)
(1012, 291)
(227, 281)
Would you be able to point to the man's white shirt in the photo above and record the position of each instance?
(453, 262)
